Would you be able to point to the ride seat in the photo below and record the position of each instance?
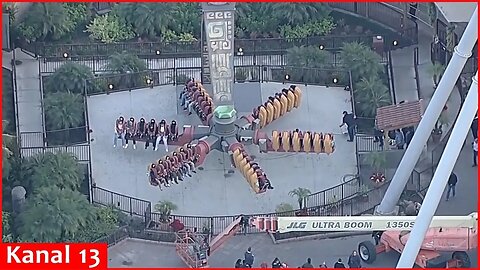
(284, 104)
(298, 96)
(270, 112)
(307, 143)
(296, 142)
(275, 140)
(286, 141)
(291, 100)
(262, 116)
(277, 107)
(317, 148)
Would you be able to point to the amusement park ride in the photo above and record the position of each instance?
(223, 131)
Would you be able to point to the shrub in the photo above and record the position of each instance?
(109, 29)
(319, 28)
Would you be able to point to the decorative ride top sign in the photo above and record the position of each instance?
(219, 28)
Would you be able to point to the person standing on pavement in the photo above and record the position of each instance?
(308, 264)
(249, 258)
(452, 182)
(475, 152)
(354, 260)
(474, 127)
(399, 139)
(339, 264)
(349, 120)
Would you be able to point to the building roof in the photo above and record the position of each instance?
(400, 115)
(457, 12)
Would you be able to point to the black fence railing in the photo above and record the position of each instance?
(334, 194)
(405, 27)
(177, 76)
(81, 151)
(250, 47)
(65, 137)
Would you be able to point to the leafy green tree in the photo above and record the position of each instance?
(299, 13)
(45, 20)
(301, 195)
(165, 208)
(253, 19)
(362, 61)
(64, 110)
(70, 77)
(126, 63)
(103, 222)
(53, 215)
(60, 170)
(188, 18)
(308, 56)
(305, 62)
(147, 19)
(7, 235)
(109, 29)
(371, 93)
(315, 28)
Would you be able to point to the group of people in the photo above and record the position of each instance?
(150, 132)
(303, 141)
(173, 168)
(194, 98)
(263, 182)
(399, 138)
(354, 261)
(277, 105)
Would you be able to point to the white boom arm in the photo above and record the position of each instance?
(358, 223)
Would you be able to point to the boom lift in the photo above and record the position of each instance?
(456, 234)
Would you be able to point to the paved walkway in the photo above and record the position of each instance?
(29, 98)
(227, 194)
(145, 254)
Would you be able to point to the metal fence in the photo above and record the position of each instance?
(81, 152)
(386, 15)
(178, 76)
(250, 47)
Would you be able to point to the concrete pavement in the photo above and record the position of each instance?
(227, 194)
(148, 254)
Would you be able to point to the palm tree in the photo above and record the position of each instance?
(299, 13)
(307, 59)
(125, 63)
(360, 60)
(46, 170)
(64, 110)
(147, 19)
(48, 19)
(436, 70)
(301, 194)
(70, 77)
(377, 160)
(53, 215)
(188, 18)
(165, 209)
(371, 94)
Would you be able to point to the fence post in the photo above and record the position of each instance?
(111, 199)
(130, 201)
(211, 227)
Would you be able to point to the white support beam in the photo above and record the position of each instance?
(440, 178)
